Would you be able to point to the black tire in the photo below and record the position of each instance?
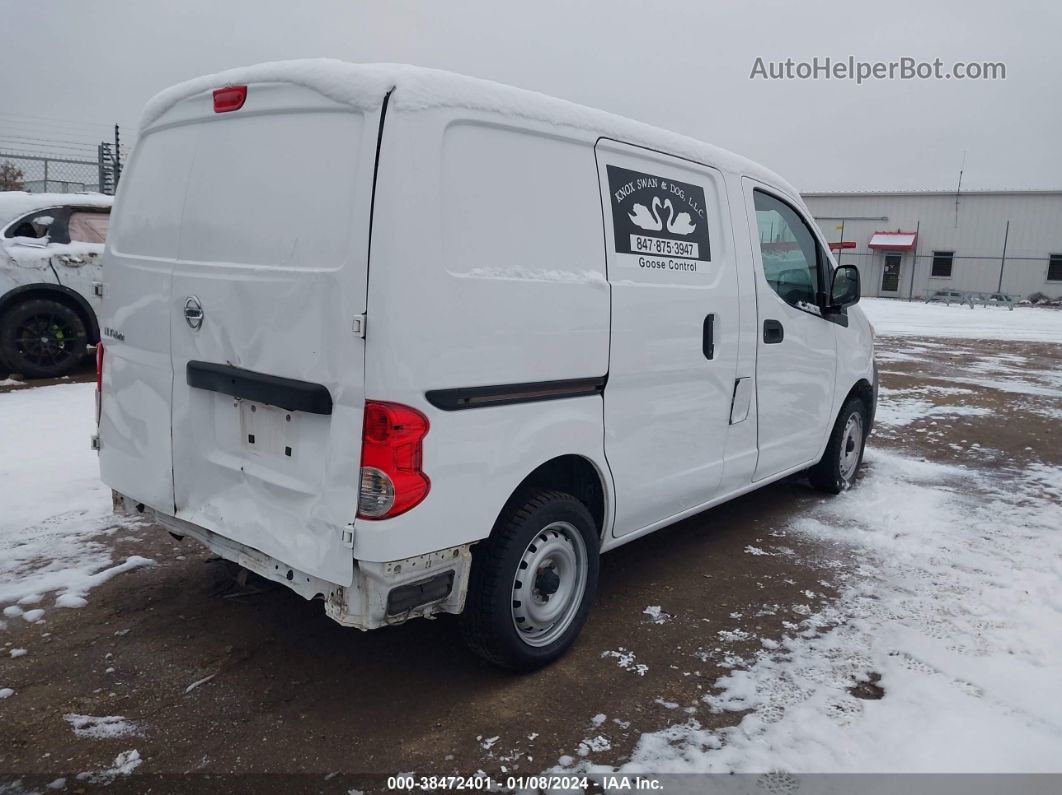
(41, 338)
(489, 620)
(839, 465)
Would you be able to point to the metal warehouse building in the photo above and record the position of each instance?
(914, 243)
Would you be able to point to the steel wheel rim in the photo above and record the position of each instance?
(554, 559)
(45, 340)
(851, 446)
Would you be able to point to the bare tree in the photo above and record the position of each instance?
(11, 176)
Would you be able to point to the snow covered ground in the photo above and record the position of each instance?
(952, 609)
(896, 317)
(942, 650)
(54, 506)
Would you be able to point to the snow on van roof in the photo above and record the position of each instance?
(363, 86)
(14, 203)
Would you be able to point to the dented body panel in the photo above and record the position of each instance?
(274, 275)
(40, 264)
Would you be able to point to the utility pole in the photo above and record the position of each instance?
(914, 260)
(1003, 259)
(117, 158)
(958, 188)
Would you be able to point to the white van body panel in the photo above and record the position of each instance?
(515, 251)
(136, 456)
(855, 356)
(476, 460)
(512, 290)
(741, 436)
(479, 248)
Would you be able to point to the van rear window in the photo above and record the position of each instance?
(274, 189)
(151, 194)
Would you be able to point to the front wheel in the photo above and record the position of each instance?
(837, 469)
(532, 582)
(41, 338)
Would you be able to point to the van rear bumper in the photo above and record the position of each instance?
(382, 594)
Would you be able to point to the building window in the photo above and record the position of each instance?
(942, 264)
(1054, 268)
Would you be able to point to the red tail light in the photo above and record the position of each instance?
(99, 379)
(392, 446)
(229, 98)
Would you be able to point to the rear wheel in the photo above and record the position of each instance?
(837, 469)
(532, 582)
(41, 338)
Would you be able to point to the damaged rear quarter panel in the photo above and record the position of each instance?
(76, 266)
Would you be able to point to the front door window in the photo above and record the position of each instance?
(890, 276)
(791, 257)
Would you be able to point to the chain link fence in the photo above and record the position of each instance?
(922, 275)
(46, 174)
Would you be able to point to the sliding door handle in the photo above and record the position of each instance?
(708, 337)
(773, 332)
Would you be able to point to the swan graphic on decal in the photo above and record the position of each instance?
(677, 223)
(660, 220)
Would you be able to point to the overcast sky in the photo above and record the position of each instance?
(69, 68)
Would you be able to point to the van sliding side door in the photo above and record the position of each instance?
(673, 357)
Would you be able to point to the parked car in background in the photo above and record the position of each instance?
(51, 246)
(997, 299)
(949, 297)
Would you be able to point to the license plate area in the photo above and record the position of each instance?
(268, 431)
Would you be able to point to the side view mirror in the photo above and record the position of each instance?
(845, 289)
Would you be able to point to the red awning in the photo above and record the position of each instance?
(893, 241)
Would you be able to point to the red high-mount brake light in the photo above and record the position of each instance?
(99, 380)
(392, 480)
(229, 98)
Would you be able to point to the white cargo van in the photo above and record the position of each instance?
(414, 343)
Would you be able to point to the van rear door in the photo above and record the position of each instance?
(266, 289)
(274, 257)
(136, 456)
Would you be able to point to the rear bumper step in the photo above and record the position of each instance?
(409, 597)
(285, 393)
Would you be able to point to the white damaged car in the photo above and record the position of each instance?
(51, 245)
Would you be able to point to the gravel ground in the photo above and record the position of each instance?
(214, 676)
